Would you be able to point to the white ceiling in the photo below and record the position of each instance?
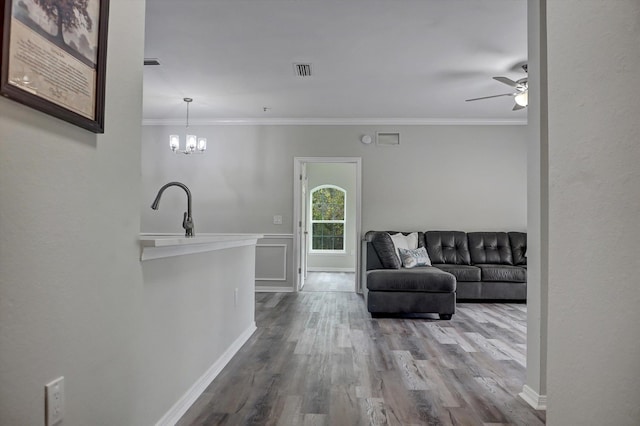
(395, 61)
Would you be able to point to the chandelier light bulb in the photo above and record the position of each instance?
(174, 142)
(191, 143)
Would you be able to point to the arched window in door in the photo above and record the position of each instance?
(327, 218)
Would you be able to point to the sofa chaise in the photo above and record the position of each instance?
(464, 266)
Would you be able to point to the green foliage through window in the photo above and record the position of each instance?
(327, 218)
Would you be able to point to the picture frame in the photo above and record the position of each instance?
(54, 57)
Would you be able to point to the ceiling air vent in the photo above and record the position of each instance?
(151, 61)
(302, 70)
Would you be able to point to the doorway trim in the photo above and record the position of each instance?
(298, 232)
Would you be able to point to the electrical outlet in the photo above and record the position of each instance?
(235, 297)
(54, 401)
(277, 219)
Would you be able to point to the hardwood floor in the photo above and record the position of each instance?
(318, 358)
(330, 281)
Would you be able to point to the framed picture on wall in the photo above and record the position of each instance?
(54, 57)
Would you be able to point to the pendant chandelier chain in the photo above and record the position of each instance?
(187, 115)
(188, 101)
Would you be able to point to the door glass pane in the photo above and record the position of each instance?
(327, 206)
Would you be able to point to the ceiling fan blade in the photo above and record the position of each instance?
(506, 81)
(488, 97)
(516, 107)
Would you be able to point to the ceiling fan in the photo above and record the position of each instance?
(521, 94)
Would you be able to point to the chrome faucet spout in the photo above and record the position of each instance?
(187, 220)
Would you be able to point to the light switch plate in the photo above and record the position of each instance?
(277, 219)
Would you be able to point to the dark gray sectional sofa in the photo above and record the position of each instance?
(465, 266)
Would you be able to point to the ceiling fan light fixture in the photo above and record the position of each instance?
(522, 99)
(521, 94)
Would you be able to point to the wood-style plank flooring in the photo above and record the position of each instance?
(320, 359)
(330, 281)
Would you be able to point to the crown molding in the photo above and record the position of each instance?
(339, 122)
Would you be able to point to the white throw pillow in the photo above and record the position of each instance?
(413, 258)
(409, 242)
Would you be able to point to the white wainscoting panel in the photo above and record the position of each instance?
(271, 262)
(274, 264)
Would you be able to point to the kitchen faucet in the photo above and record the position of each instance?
(187, 220)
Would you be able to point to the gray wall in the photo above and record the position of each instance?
(594, 212)
(344, 176)
(440, 177)
(462, 177)
(70, 276)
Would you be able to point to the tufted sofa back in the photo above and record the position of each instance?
(451, 247)
(490, 247)
(448, 247)
(518, 241)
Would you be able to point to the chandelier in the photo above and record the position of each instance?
(193, 144)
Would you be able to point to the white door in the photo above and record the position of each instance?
(301, 237)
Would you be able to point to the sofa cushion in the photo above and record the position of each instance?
(424, 279)
(505, 273)
(415, 257)
(386, 251)
(462, 273)
(420, 236)
(404, 241)
(518, 241)
(490, 247)
(448, 247)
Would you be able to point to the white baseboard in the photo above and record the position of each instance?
(326, 269)
(273, 289)
(538, 402)
(182, 405)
